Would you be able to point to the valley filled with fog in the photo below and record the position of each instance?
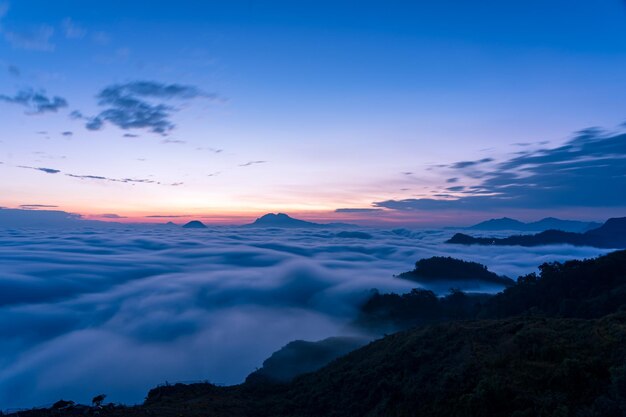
(118, 310)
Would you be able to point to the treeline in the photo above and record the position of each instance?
(441, 267)
(579, 289)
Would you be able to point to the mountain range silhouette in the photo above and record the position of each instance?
(612, 234)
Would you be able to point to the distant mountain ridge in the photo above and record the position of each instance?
(612, 234)
(548, 223)
(282, 220)
(194, 224)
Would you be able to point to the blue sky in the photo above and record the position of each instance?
(308, 107)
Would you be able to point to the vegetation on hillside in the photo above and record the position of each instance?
(448, 268)
(552, 345)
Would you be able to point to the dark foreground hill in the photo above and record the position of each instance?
(515, 367)
(612, 234)
(552, 345)
(587, 289)
(300, 357)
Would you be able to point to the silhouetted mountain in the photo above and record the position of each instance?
(282, 220)
(170, 224)
(549, 223)
(440, 268)
(300, 357)
(504, 223)
(612, 234)
(194, 224)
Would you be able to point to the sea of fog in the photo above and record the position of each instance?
(119, 310)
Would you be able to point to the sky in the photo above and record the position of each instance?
(392, 112)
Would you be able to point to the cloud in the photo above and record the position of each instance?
(4, 9)
(36, 102)
(71, 30)
(456, 188)
(140, 105)
(122, 180)
(173, 141)
(81, 306)
(247, 164)
(101, 38)
(103, 178)
(36, 206)
(358, 210)
(130, 135)
(587, 171)
(67, 133)
(35, 39)
(46, 170)
(39, 216)
(112, 216)
(214, 150)
(466, 164)
(166, 216)
(14, 71)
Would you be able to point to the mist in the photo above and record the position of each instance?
(120, 310)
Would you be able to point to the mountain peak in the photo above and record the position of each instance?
(281, 220)
(195, 224)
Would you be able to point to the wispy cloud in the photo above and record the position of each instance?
(214, 150)
(4, 8)
(173, 141)
(587, 171)
(112, 216)
(250, 163)
(101, 177)
(166, 216)
(36, 206)
(46, 170)
(71, 30)
(36, 102)
(358, 210)
(101, 38)
(467, 164)
(36, 38)
(14, 70)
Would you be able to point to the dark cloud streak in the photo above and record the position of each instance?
(587, 171)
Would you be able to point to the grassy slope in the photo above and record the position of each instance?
(519, 366)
